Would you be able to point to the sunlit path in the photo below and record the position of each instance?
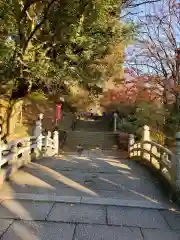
(97, 191)
(94, 173)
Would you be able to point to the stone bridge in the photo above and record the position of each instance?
(82, 185)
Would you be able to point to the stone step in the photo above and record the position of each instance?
(24, 219)
(90, 139)
(92, 126)
(74, 147)
(147, 204)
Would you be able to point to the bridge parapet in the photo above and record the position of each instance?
(159, 158)
(20, 152)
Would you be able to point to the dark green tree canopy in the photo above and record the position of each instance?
(58, 41)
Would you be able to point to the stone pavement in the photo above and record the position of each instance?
(95, 196)
(93, 174)
(38, 220)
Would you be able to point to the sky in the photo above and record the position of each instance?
(140, 13)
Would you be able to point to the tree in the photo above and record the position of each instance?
(67, 37)
(155, 52)
(93, 31)
(138, 102)
(134, 90)
(21, 22)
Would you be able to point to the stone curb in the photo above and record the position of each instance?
(40, 197)
(86, 200)
(124, 203)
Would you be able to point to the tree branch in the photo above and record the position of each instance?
(46, 11)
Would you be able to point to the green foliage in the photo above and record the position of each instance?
(127, 126)
(37, 96)
(138, 115)
(172, 125)
(150, 114)
(63, 41)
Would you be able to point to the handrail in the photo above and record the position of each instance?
(157, 156)
(23, 150)
(19, 152)
(159, 146)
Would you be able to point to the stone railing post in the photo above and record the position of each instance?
(14, 160)
(131, 144)
(28, 152)
(56, 141)
(146, 133)
(177, 177)
(115, 121)
(47, 142)
(38, 133)
(145, 146)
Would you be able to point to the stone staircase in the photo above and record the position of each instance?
(92, 125)
(102, 140)
(90, 134)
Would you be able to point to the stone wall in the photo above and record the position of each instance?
(67, 121)
(123, 139)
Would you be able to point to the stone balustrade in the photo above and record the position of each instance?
(165, 162)
(21, 151)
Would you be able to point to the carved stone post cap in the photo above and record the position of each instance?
(146, 128)
(55, 133)
(40, 116)
(115, 115)
(131, 136)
